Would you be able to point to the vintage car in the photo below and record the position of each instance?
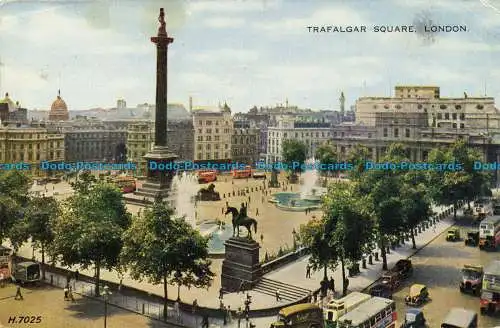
(418, 295)
(453, 234)
(391, 280)
(414, 318)
(472, 238)
(381, 290)
(472, 279)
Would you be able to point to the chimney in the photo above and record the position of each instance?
(190, 103)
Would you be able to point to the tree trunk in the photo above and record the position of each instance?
(455, 210)
(179, 291)
(97, 277)
(165, 299)
(344, 289)
(43, 261)
(325, 273)
(383, 254)
(468, 204)
(413, 238)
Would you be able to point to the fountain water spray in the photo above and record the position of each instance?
(309, 179)
(185, 189)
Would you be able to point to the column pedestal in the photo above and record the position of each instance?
(241, 264)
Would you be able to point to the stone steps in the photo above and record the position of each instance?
(287, 292)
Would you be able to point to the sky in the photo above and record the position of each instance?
(253, 52)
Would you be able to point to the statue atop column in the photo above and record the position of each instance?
(162, 30)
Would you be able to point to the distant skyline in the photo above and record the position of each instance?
(244, 52)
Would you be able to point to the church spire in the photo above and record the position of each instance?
(59, 93)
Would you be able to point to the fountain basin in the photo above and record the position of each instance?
(292, 201)
(217, 235)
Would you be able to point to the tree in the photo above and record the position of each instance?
(84, 182)
(383, 188)
(89, 230)
(163, 250)
(294, 152)
(447, 186)
(326, 154)
(37, 224)
(358, 156)
(416, 207)
(353, 225)
(14, 191)
(316, 235)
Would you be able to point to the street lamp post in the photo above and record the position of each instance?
(106, 293)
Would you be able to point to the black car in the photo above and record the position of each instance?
(414, 318)
(381, 290)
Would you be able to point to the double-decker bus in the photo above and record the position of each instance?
(376, 312)
(482, 208)
(242, 174)
(489, 233)
(5, 262)
(207, 176)
(125, 183)
(337, 308)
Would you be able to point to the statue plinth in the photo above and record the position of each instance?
(241, 264)
(158, 181)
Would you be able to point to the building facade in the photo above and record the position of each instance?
(12, 112)
(93, 140)
(455, 113)
(245, 144)
(312, 134)
(31, 144)
(140, 139)
(213, 132)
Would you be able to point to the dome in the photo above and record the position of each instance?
(9, 102)
(59, 109)
(59, 104)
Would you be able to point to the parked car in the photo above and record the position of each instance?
(453, 234)
(472, 238)
(414, 318)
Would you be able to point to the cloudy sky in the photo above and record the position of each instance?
(253, 52)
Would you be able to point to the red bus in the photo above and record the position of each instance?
(242, 174)
(125, 183)
(207, 176)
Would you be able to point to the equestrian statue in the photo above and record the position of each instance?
(240, 219)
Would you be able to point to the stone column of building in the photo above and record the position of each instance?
(158, 181)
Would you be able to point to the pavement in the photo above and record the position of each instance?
(293, 274)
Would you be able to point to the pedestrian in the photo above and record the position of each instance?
(66, 293)
(308, 271)
(70, 294)
(278, 296)
(346, 283)
(77, 275)
(257, 212)
(19, 296)
(221, 305)
(224, 315)
(177, 311)
(2, 277)
(204, 322)
(332, 285)
(221, 293)
(229, 314)
(249, 199)
(240, 314)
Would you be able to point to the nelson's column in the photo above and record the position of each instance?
(158, 181)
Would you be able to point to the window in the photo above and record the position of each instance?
(396, 133)
(407, 133)
(440, 116)
(209, 138)
(457, 107)
(479, 106)
(200, 156)
(209, 130)
(385, 132)
(446, 116)
(216, 138)
(398, 106)
(216, 130)
(454, 116)
(443, 107)
(462, 126)
(208, 122)
(200, 138)
(200, 147)
(454, 125)
(199, 131)
(462, 116)
(419, 106)
(216, 155)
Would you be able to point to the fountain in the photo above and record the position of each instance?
(309, 196)
(185, 187)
